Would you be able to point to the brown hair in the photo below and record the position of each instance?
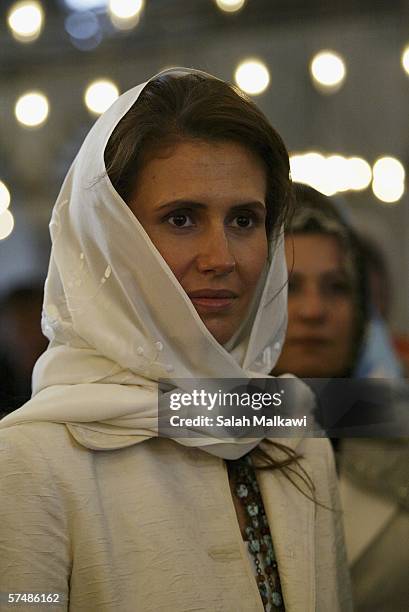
(178, 107)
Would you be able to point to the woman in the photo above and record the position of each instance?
(334, 327)
(327, 293)
(167, 262)
(330, 334)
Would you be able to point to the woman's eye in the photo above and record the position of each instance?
(243, 221)
(337, 288)
(180, 220)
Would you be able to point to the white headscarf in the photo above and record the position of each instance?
(118, 319)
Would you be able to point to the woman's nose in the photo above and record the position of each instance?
(215, 252)
(312, 306)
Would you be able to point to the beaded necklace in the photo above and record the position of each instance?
(257, 531)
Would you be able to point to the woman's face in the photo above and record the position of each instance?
(321, 309)
(203, 206)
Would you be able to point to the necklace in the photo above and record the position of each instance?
(257, 531)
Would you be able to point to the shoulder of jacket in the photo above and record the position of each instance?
(34, 439)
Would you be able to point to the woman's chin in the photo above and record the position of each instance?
(221, 331)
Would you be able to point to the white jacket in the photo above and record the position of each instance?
(153, 528)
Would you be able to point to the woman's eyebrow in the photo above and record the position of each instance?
(338, 270)
(182, 202)
(254, 204)
(200, 205)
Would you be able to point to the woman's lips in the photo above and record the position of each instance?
(211, 299)
(310, 342)
(212, 303)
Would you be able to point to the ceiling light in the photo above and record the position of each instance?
(100, 95)
(230, 6)
(6, 224)
(252, 76)
(25, 20)
(4, 197)
(328, 71)
(32, 109)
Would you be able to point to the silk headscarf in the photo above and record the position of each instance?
(118, 320)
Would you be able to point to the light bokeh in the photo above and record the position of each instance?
(388, 183)
(125, 14)
(125, 9)
(330, 174)
(83, 5)
(6, 224)
(405, 59)
(309, 168)
(25, 20)
(328, 71)
(252, 76)
(230, 6)
(5, 197)
(100, 95)
(32, 109)
(360, 173)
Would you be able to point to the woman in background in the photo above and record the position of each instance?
(167, 262)
(327, 291)
(331, 334)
